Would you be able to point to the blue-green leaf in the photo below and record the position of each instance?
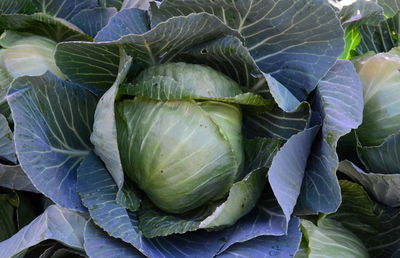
(104, 136)
(283, 97)
(16, 6)
(7, 148)
(390, 7)
(378, 231)
(129, 21)
(55, 223)
(44, 25)
(97, 63)
(8, 224)
(101, 245)
(94, 66)
(277, 123)
(227, 55)
(53, 121)
(340, 98)
(63, 8)
(380, 37)
(384, 158)
(340, 93)
(140, 4)
(13, 177)
(163, 43)
(111, 3)
(91, 21)
(320, 190)
(288, 49)
(383, 187)
(287, 169)
(361, 12)
(266, 219)
(260, 152)
(99, 191)
(268, 246)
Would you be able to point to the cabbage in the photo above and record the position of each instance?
(27, 54)
(381, 87)
(165, 145)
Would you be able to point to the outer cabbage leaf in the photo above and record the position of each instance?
(287, 169)
(178, 34)
(91, 21)
(8, 224)
(54, 250)
(380, 37)
(160, 45)
(110, 3)
(339, 96)
(268, 246)
(104, 136)
(99, 244)
(266, 219)
(17, 6)
(53, 121)
(44, 25)
(7, 148)
(63, 8)
(129, 21)
(369, 222)
(94, 66)
(140, 4)
(55, 223)
(320, 190)
(361, 12)
(384, 158)
(390, 7)
(276, 123)
(297, 63)
(383, 187)
(283, 97)
(227, 55)
(330, 238)
(13, 177)
(119, 223)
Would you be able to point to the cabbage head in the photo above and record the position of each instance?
(27, 54)
(380, 77)
(24, 54)
(182, 153)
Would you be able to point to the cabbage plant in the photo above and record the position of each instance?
(194, 128)
(369, 154)
(376, 138)
(30, 31)
(373, 145)
(165, 145)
